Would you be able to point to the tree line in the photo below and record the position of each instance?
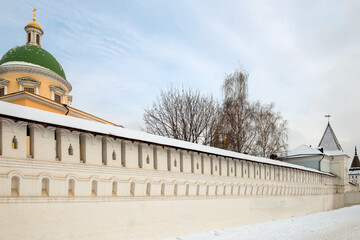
(235, 123)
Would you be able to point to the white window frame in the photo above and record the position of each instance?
(58, 90)
(28, 82)
(4, 83)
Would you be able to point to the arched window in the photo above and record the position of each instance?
(224, 190)
(94, 188)
(197, 189)
(163, 189)
(15, 186)
(114, 155)
(207, 190)
(132, 189)
(45, 187)
(148, 189)
(29, 37)
(71, 188)
(216, 189)
(187, 190)
(14, 143)
(38, 39)
(232, 190)
(114, 188)
(175, 189)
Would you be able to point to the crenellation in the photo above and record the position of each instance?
(196, 163)
(42, 143)
(68, 146)
(14, 142)
(77, 151)
(238, 168)
(187, 161)
(146, 156)
(206, 164)
(245, 165)
(112, 151)
(174, 158)
(215, 165)
(91, 149)
(131, 153)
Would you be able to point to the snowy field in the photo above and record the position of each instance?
(342, 224)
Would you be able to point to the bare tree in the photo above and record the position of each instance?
(183, 114)
(248, 127)
(271, 131)
(237, 125)
(237, 114)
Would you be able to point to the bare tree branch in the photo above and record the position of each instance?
(183, 114)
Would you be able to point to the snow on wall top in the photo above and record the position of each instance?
(26, 113)
(305, 151)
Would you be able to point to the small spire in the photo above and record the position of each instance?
(34, 18)
(328, 117)
(355, 151)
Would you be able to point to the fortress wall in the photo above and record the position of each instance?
(352, 198)
(147, 218)
(63, 183)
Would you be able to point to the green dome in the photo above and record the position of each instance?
(34, 55)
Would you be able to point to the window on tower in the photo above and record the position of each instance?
(29, 37)
(2, 91)
(57, 98)
(38, 39)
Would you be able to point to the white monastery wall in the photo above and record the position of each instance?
(352, 197)
(147, 217)
(66, 178)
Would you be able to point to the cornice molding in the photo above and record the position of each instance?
(14, 125)
(33, 69)
(29, 81)
(46, 131)
(4, 82)
(58, 89)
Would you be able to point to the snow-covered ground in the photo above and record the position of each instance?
(340, 224)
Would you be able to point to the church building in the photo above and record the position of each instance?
(32, 77)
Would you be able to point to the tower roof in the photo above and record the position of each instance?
(329, 141)
(355, 162)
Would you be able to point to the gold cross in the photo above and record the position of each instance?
(34, 18)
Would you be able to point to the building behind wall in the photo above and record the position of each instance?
(327, 157)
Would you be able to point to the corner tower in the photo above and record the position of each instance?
(332, 148)
(354, 171)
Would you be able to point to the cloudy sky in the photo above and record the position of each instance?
(301, 55)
